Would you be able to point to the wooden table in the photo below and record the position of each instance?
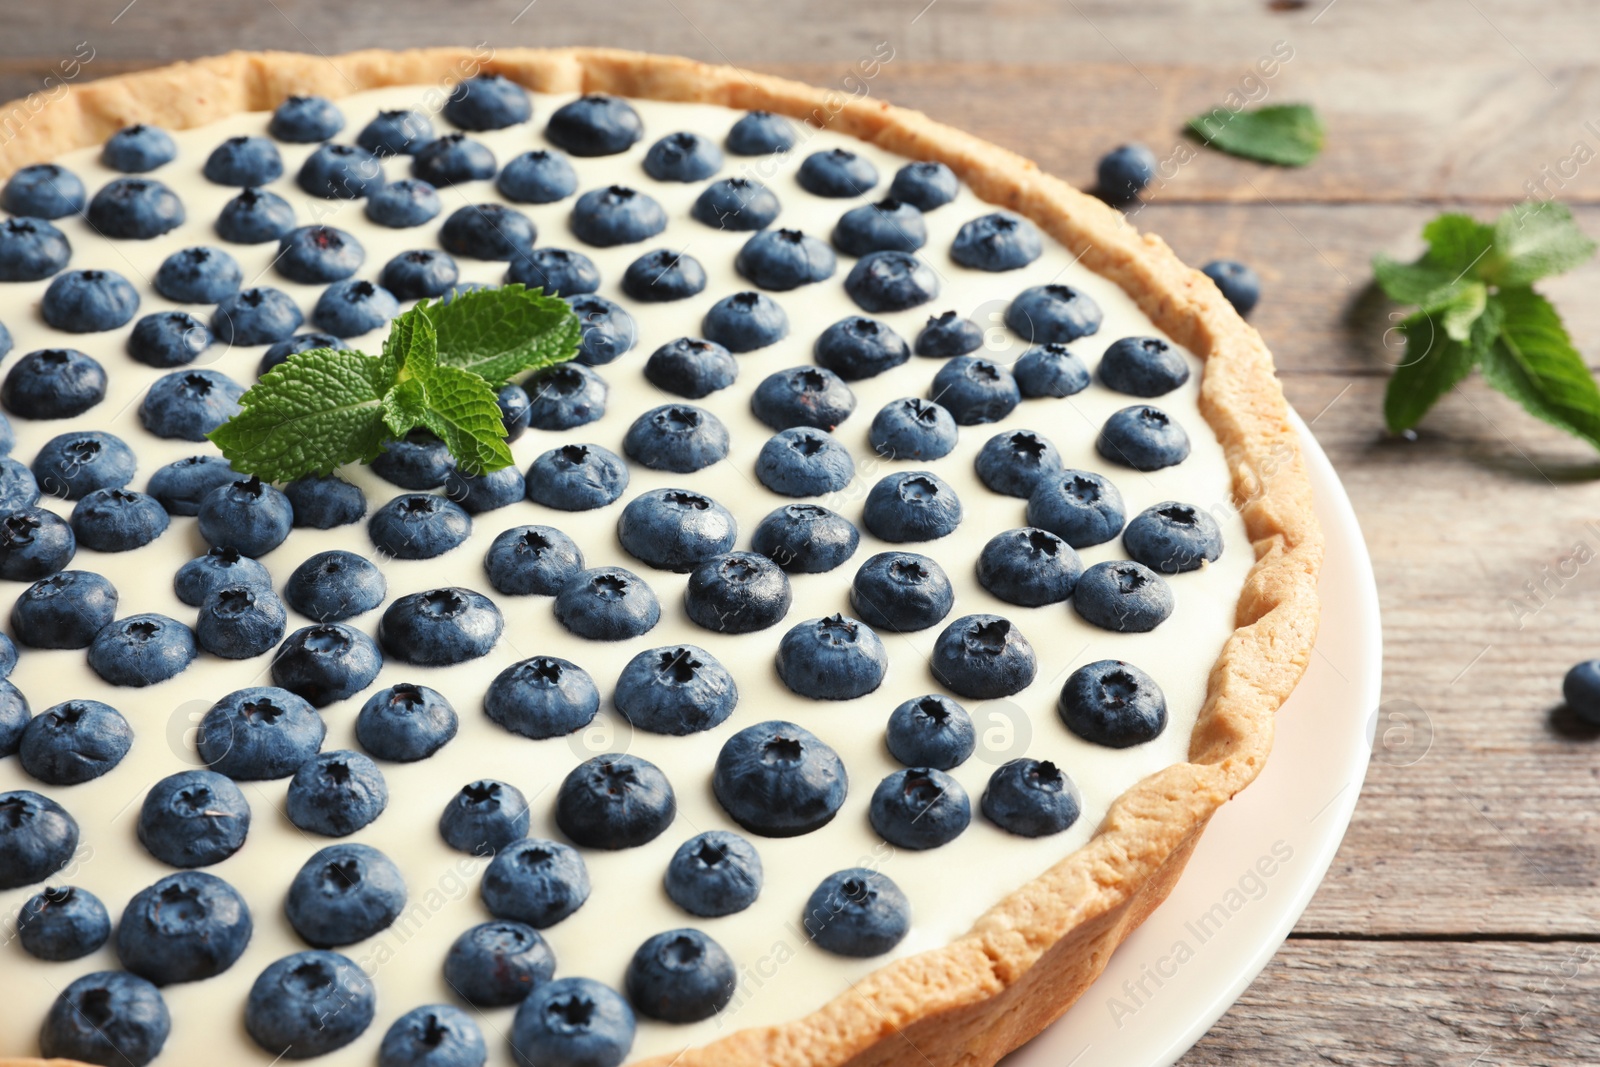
(1459, 923)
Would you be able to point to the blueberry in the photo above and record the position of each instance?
(1123, 596)
(168, 339)
(1031, 798)
(1014, 462)
(785, 259)
(857, 912)
(1112, 703)
(453, 159)
(983, 657)
(832, 658)
(478, 493)
(396, 133)
(417, 461)
(542, 697)
(403, 204)
(674, 529)
(925, 185)
(615, 801)
(675, 690)
(488, 102)
(64, 610)
(683, 157)
(802, 396)
(1580, 688)
(240, 621)
(305, 120)
(322, 502)
(594, 125)
(999, 241)
(608, 330)
(440, 627)
(760, 133)
(738, 204)
(535, 882)
(182, 485)
(354, 307)
(14, 715)
(516, 410)
(435, 1035)
(680, 438)
(663, 275)
(1029, 567)
(975, 390)
(891, 281)
(259, 733)
(912, 428)
(37, 838)
(117, 520)
(1124, 172)
(537, 177)
(681, 976)
(1142, 366)
(745, 322)
(308, 1004)
(930, 731)
(526, 560)
(488, 231)
(912, 506)
(256, 316)
(1172, 538)
(1144, 438)
(804, 462)
(565, 396)
(43, 191)
(326, 662)
(316, 254)
(336, 793)
(106, 1017)
(556, 271)
(1239, 284)
(8, 656)
(419, 526)
(1050, 370)
(255, 217)
(193, 819)
(31, 250)
(919, 808)
(607, 604)
(140, 650)
(577, 478)
(74, 742)
(188, 405)
(805, 538)
(1053, 314)
(836, 173)
(343, 894)
(498, 963)
(63, 923)
(888, 225)
(572, 1022)
(186, 927)
(901, 592)
(134, 208)
(220, 568)
(948, 334)
(484, 817)
(34, 543)
(713, 874)
(859, 347)
(89, 301)
(405, 723)
(53, 383)
(340, 172)
(248, 515)
(691, 368)
(18, 487)
(1080, 507)
(72, 464)
(616, 215)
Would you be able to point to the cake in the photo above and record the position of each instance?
(1131, 681)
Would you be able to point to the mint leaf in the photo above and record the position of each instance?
(1533, 362)
(1286, 134)
(460, 408)
(1458, 307)
(1457, 243)
(501, 333)
(318, 411)
(1536, 240)
(412, 345)
(1435, 363)
(1457, 246)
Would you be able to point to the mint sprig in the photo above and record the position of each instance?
(1289, 135)
(1476, 308)
(439, 370)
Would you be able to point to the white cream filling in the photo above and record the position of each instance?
(781, 976)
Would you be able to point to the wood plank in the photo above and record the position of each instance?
(1385, 1005)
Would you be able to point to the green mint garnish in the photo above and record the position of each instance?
(1475, 308)
(1287, 134)
(439, 370)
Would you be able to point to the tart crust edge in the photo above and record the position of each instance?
(1033, 954)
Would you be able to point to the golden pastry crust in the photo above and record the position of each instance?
(1033, 954)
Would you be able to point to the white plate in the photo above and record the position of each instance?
(1197, 953)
